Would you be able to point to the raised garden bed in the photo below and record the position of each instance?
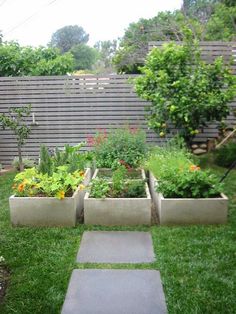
(110, 211)
(48, 211)
(174, 211)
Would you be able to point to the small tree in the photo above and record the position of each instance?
(183, 90)
(15, 120)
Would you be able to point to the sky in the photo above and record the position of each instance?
(32, 22)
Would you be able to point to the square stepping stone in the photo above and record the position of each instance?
(102, 291)
(116, 247)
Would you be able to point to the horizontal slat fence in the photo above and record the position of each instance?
(69, 108)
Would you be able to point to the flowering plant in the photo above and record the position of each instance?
(125, 146)
(60, 184)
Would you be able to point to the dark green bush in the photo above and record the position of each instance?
(226, 155)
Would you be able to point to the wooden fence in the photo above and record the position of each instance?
(69, 108)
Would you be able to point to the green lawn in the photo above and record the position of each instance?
(197, 264)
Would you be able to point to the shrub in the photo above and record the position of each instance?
(226, 155)
(27, 163)
(178, 177)
(125, 145)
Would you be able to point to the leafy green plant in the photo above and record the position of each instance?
(189, 183)
(126, 145)
(15, 120)
(99, 188)
(178, 177)
(70, 156)
(27, 163)
(117, 185)
(183, 90)
(226, 155)
(60, 184)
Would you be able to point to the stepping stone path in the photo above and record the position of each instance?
(115, 291)
(116, 247)
(103, 291)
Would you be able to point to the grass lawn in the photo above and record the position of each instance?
(197, 264)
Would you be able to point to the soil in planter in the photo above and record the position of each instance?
(4, 278)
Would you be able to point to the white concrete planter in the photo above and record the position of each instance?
(118, 211)
(174, 211)
(48, 211)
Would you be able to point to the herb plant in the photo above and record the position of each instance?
(69, 156)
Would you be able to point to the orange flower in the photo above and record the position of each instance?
(21, 187)
(194, 168)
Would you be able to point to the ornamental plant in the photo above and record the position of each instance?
(125, 145)
(60, 184)
(183, 90)
(179, 177)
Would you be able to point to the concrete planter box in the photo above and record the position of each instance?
(48, 211)
(118, 211)
(174, 211)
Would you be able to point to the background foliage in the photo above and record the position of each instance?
(68, 36)
(23, 61)
(208, 19)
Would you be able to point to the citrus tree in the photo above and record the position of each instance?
(183, 90)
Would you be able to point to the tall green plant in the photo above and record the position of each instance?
(15, 120)
(183, 90)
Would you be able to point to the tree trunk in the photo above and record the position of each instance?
(21, 165)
